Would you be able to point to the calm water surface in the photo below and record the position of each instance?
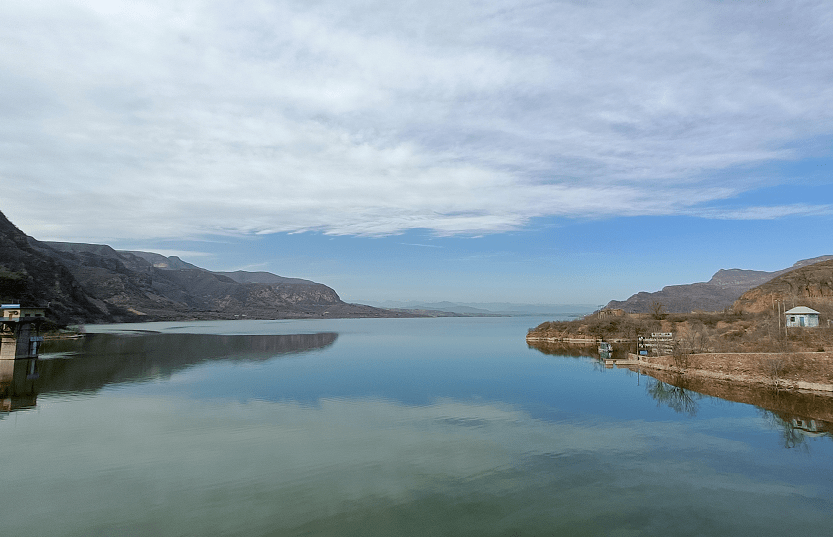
(386, 427)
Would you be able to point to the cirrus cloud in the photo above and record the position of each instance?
(147, 119)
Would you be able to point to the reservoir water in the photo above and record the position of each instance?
(387, 427)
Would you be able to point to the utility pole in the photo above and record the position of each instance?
(778, 315)
(785, 320)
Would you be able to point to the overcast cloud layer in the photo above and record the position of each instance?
(162, 119)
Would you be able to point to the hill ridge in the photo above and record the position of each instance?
(719, 293)
(85, 282)
(809, 285)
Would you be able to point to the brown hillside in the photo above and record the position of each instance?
(717, 294)
(84, 283)
(810, 286)
(30, 275)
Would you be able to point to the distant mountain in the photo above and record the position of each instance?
(95, 283)
(241, 276)
(719, 293)
(160, 261)
(512, 308)
(446, 306)
(809, 285)
(491, 308)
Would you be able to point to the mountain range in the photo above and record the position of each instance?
(720, 292)
(88, 283)
(512, 309)
(94, 283)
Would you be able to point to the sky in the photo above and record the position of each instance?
(471, 151)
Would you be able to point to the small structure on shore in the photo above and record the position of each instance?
(20, 342)
(658, 344)
(20, 331)
(801, 316)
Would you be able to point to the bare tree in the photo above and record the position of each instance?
(681, 355)
(658, 310)
(695, 342)
(774, 368)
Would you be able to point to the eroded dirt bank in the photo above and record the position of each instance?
(805, 371)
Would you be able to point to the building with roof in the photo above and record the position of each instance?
(801, 316)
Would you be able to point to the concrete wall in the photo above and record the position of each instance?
(17, 344)
(8, 347)
(802, 319)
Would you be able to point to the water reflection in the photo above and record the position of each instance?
(798, 415)
(17, 384)
(590, 350)
(796, 430)
(676, 397)
(88, 364)
(573, 351)
(384, 435)
(178, 466)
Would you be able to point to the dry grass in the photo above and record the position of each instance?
(700, 332)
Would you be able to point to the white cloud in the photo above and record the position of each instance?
(144, 119)
(769, 212)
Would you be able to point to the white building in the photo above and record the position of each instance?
(802, 316)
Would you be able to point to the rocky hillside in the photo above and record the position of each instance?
(160, 261)
(719, 293)
(95, 283)
(242, 276)
(30, 274)
(810, 286)
(681, 298)
(155, 287)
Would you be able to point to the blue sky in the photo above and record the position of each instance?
(545, 152)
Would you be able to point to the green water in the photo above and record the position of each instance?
(386, 427)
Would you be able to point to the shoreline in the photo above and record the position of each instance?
(802, 398)
(757, 380)
(810, 372)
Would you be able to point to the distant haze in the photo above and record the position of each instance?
(504, 308)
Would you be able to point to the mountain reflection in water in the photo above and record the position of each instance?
(97, 360)
(445, 426)
(798, 415)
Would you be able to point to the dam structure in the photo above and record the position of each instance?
(20, 331)
(20, 342)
